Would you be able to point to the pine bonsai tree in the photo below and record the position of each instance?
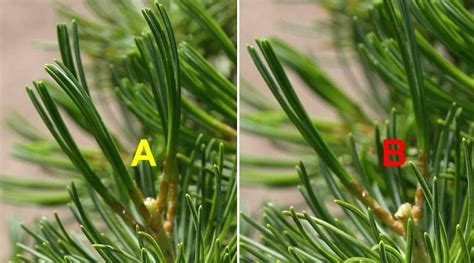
(166, 73)
(417, 60)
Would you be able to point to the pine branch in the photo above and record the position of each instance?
(142, 221)
(397, 50)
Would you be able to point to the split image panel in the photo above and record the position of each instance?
(236, 131)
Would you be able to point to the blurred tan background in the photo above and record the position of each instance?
(23, 25)
(295, 23)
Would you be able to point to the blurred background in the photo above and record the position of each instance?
(24, 25)
(300, 23)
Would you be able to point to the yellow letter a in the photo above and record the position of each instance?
(148, 156)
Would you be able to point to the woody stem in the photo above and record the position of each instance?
(362, 194)
(417, 208)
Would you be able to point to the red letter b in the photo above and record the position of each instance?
(387, 152)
